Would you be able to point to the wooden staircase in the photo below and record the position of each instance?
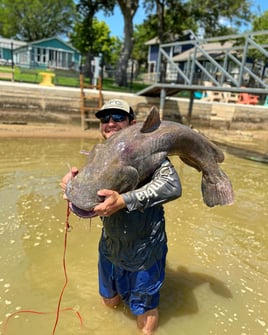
(90, 102)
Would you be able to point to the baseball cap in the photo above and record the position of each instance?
(117, 105)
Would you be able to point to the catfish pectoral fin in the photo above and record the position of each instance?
(218, 193)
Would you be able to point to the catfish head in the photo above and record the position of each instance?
(103, 170)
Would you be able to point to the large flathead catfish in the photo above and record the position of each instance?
(132, 155)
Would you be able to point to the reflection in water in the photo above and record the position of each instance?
(217, 273)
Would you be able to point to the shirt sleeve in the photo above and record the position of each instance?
(164, 186)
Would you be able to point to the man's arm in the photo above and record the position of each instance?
(164, 186)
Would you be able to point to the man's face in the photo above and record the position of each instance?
(111, 127)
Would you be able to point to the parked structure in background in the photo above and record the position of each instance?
(172, 50)
(50, 53)
(224, 59)
(226, 63)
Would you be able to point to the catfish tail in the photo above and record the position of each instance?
(218, 193)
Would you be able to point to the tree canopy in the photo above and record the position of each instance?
(217, 18)
(31, 20)
(169, 18)
(260, 22)
(103, 45)
(87, 10)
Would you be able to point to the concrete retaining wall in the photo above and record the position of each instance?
(34, 103)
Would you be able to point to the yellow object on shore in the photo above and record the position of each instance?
(46, 78)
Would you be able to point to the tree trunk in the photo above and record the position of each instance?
(88, 73)
(160, 5)
(128, 9)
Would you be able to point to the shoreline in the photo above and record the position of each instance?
(252, 144)
(40, 130)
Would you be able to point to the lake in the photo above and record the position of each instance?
(217, 264)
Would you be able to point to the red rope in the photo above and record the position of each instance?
(67, 229)
(40, 313)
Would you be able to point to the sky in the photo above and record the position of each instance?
(116, 23)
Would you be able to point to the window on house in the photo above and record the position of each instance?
(44, 55)
(52, 57)
(38, 55)
(177, 49)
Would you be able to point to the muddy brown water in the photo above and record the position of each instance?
(217, 265)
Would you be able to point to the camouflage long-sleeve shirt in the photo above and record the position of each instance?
(135, 237)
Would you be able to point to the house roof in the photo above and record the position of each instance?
(60, 41)
(153, 41)
(215, 49)
(6, 43)
(185, 33)
(52, 42)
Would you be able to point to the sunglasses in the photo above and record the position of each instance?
(115, 118)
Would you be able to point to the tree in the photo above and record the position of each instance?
(103, 44)
(128, 9)
(31, 20)
(218, 18)
(260, 22)
(87, 9)
(214, 18)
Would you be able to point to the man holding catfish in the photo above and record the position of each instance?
(127, 189)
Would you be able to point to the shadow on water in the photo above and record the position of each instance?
(178, 296)
(245, 153)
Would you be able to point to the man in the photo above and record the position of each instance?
(133, 244)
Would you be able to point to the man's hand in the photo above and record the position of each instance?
(113, 202)
(66, 178)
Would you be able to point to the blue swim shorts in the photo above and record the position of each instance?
(140, 290)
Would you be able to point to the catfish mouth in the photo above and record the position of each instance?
(82, 213)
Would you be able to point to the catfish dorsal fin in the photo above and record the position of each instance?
(152, 121)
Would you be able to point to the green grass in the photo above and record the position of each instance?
(27, 75)
(69, 79)
(109, 84)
